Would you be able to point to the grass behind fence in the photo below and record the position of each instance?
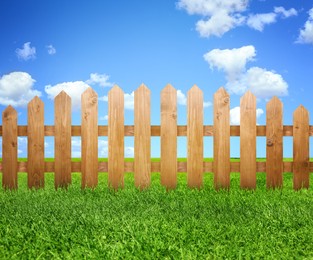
(184, 223)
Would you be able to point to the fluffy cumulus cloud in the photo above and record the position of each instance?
(261, 82)
(235, 115)
(306, 33)
(73, 89)
(26, 52)
(16, 89)
(51, 50)
(220, 16)
(232, 61)
(99, 79)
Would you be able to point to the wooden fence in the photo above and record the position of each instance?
(168, 131)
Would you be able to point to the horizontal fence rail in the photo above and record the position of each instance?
(168, 130)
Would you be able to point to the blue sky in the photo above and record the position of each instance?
(263, 46)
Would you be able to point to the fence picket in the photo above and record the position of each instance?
(35, 143)
(89, 138)
(116, 138)
(248, 141)
(62, 141)
(274, 143)
(169, 137)
(9, 148)
(195, 137)
(301, 151)
(142, 138)
(221, 140)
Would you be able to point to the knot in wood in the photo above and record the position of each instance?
(174, 116)
(226, 100)
(269, 142)
(93, 100)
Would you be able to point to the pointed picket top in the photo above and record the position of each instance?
(248, 95)
(9, 112)
(36, 100)
(194, 89)
(221, 92)
(116, 89)
(301, 110)
(168, 88)
(62, 95)
(275, 101)
(90, 92)
(142, 88)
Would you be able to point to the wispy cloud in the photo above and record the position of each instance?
(26, 52)
(51, 50)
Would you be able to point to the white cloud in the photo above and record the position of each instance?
(261, 82)
(232, 61)
(210, 7)
(220, 16)
(99, 79)
(16, 89)
(27, 52)
(103, 118)
(285, 13)
(181, 98)
(235, 115)
(73, 89)
(306, 33)
(51, 50)
(129, 100)
(207, 104)
(218, 24)
(258, 21)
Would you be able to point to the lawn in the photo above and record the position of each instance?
(180, 224)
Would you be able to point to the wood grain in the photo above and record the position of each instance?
(169, 137)
(274, 143)
(248, 141)
(89, 138)
(35, 144)
(142, 138)
(9, 148)
(301, 151)
(221, 140)
(62, 140)
(195, 137)
(116, 138)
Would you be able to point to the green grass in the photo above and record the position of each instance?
(155, 224)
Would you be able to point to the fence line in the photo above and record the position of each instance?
(168, 130)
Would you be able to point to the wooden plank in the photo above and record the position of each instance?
(142, 138)
(116, 138)
(35, 144)
(169, 137)
(221, 140)
(89, 138)
(62, 140)
(274, 143)
(301, 151)
(248, 141)
(9, 148)
(195, 137)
